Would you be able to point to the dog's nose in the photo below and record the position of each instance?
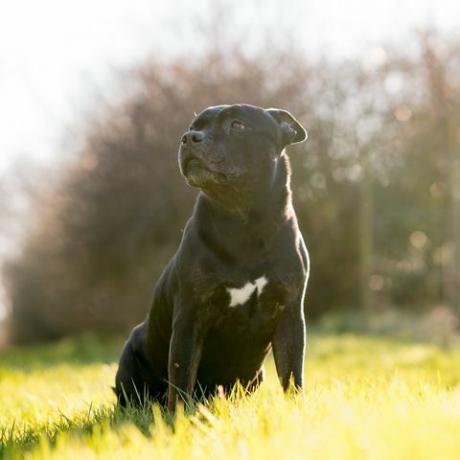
(192, 137)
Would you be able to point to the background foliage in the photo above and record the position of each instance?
(376, 186)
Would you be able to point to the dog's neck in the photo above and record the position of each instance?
(259, 210)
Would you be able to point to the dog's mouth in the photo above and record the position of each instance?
(192, 164)
(198, 174)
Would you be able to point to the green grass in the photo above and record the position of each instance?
(366, 398)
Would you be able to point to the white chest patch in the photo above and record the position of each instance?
(239, 296)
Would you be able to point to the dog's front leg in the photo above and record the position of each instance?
(184, 358)
(289, 346)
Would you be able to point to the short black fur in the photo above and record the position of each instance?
(243, 231)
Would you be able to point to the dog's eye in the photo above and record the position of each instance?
(238, 125)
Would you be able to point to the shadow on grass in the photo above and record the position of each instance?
(13, 446)
(16, 440)
(111, 418)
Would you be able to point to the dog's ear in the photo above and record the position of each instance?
(293, 132)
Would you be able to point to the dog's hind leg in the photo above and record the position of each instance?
(133, 381)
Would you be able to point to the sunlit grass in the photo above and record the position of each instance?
(365, 398)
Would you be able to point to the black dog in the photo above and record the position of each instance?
(235, 287)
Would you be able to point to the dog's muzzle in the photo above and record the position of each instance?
(196, 171)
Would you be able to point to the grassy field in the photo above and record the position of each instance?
(366, 398)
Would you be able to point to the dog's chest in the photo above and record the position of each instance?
(240, 295)
(248, 305)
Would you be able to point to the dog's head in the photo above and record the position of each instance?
(236, 145)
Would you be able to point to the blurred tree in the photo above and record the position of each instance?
(445, 101)
(375, 187)
(107, 228)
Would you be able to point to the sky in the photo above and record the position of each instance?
(54, 54)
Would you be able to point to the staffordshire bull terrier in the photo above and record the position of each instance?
(235, 287)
